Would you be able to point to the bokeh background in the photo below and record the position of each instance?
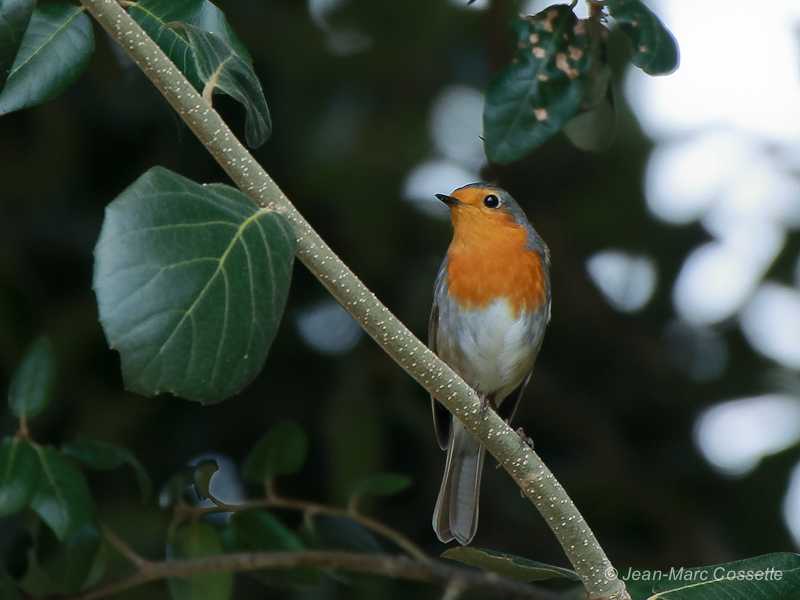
(666, 398)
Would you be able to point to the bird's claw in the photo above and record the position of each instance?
(524, 439)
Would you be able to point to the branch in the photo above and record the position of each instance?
(312, 508)
(401, 567)
(527, 469)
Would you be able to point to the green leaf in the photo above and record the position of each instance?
(262, 531)
(54, 51)
(769, 577)
(508, 565)
(194, 541)
(68, 564)
(655, 49)
(380, 484)
(191, 281)
(221, 68)
(281, 451)
(203, 472)
(14, 18)
(19, 473)
(152, 15)
(32, 385)
(341, 533)
(533, 97)
(61, 496)
(8, 589)
(103, 456)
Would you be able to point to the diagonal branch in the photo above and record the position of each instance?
(401, 567)
(527, 469)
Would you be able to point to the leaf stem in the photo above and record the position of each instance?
(527, 469)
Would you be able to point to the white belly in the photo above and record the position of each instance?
(493, 349)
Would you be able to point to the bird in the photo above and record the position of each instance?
(490, 309)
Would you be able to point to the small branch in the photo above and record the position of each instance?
(122, 547)
(399, 567)
(527, 469)
(320, 509)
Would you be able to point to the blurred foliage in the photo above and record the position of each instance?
(610, 410)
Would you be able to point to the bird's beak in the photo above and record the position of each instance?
(449, 200)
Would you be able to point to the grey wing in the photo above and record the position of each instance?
(441, 416)
(508, 407)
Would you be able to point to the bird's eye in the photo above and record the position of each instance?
(491, 201)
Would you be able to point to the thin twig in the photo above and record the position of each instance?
(321, 509)
(400, 567)
(527, 469)
(121, 546)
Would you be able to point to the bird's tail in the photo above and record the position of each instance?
(456, 513)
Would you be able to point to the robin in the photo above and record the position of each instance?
(490, 309)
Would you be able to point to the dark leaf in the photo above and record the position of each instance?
(8, 589)
(281, 451)
(655, 49)
(380, 484)
(32, 384)
(532, 98)
(152, 15)
(263, 532)
(221, 68)
(61, 496)
(67, 564)
(194, 541)
(508, 565)
(340, 533)
(14, 18)
(19, 473)
(191, 281)
(100, 455)
(768, 577)
(54, 51)
(260, 531)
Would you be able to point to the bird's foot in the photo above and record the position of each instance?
(524, 439)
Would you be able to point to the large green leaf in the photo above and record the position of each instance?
(19, 472)
(61, 496)
(768, 577)
(655, 49)
(194, 541)
(508, 565)
(532, 98)
(221, 68)
(281, 451)
(14, 18)
(191, 281)
(100, 455)
(67, 564)
(32, 384)
(152, 15)
(54, 51)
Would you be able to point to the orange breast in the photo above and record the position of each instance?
(487, 261)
